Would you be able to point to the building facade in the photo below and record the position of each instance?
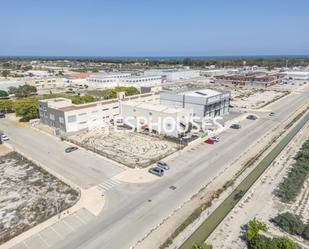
(250, 79)
(205, 103)
(45, 82)
(63, 115)
(165, 120)
(174, 74)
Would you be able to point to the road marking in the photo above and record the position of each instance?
(44, 241)
(56, 232)
(69, 226)
(80, 219)
(26, 245)
(108, 184)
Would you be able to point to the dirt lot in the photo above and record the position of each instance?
(129, 148)
(28, 195)
(260, 202)
(253, 98)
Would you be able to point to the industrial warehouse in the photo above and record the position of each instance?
(250, 79)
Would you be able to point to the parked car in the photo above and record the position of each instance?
(209, 141)
(71, 149)
(235, 126)
(215, 139)
(156, 171)
(4, 137)
(2, 115)
(163, 165)
(252, 117)
(272, 114)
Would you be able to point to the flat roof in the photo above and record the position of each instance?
(206, 93)
(154, 107)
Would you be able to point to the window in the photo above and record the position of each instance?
(72, 118)
(150, 113)
(95, 111)
(105, 109)
(115, 107)
(84, 122)
(82, 114)
(61, 120)
(52, 116)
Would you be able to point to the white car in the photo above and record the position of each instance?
(215, 139)
(4, 138)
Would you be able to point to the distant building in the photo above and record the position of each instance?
(37, 73)
(166, 120)
(62, 114)
(204, 102)
(112, 80)
(297, 75)
(250, 79)
(45, 82)
(5, 84)
(174, 74)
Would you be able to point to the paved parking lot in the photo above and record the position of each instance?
(48, 237)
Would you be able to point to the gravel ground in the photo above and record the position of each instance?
(28, 195)
(260, 202)
(129, 148)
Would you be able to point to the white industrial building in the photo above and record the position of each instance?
(174, 74)
(6, 84)
(297, 75)
(165, 120)
(206, 103)
(106, 80)
(62, 115)
(123, 79)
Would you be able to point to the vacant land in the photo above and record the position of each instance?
(28, 195)
(254, 99)
(129, 148)
(262, 203)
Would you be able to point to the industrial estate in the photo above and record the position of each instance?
(168, 156)
(154, 124)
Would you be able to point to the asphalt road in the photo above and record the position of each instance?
(133, 210)
(81, 167)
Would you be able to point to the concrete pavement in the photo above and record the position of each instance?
(83, 168)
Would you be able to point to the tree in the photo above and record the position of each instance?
(290, 223)
(5, 73)
(3, 93)
(6, 104)
(22, 91)
(82, 99)
(254, 227)
(27, 108)
(305, 233)
(203, 246)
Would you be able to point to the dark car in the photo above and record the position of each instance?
(71, 149)
(251, 117)
(163, 165)
(235, 126)
(272, 114)
(2, 115)
(156, 171)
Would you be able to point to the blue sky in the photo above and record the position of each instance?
(154, 27)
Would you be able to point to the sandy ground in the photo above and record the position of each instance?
(129, 148)
(29, 195)
(260, 201)
(254, 99)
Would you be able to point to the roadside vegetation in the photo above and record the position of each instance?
(26, 104)
(111, 93)
(292, 224)
(255, 240)
(294, 182)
